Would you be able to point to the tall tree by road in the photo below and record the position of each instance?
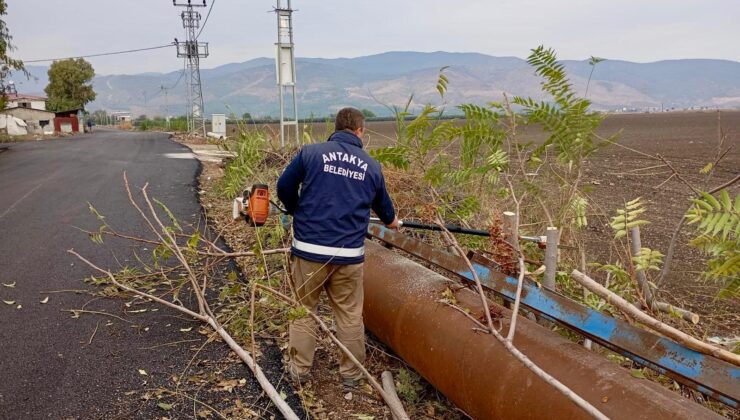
(70, 84)
(7, 63)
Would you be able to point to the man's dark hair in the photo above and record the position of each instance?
(349, 119)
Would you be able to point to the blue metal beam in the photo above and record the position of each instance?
(713, 377)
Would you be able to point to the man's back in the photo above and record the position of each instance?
(339, 184)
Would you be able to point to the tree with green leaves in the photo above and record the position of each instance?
(70, 84)
(717, 223)
(367, 113)
(246, 116)
(7, 63)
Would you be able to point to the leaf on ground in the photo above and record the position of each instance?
(46, 299)
(186, 329)
(165, 406)
(19, 307)
(637, 373)
(9, 302)
(283, 395)
(142, 372)
(11, 285)
(138, 311)
(228, 385)
(364, 417)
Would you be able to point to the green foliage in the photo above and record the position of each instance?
(169, 213)
(7, 63)
(246, 116)
(179, 124)
(442, 81)
(248, 148)
(367, 113)
(718, 236)
(448, 154)
(567, 118)
(627, 218)
(297, 313)
(648, 259)
(593, 60)
(577, 208)
(70, 84)
(464, 161)
(409, 386)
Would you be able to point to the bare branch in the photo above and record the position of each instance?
(396, 409)
(653, 323)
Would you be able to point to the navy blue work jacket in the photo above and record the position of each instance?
(329, 188)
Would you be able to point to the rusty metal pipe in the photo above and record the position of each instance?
(477, 373)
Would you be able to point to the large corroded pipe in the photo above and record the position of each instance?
(478, 374)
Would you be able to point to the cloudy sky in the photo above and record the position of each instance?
(238, 30)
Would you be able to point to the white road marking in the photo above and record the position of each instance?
(20, 199)
(186, 155)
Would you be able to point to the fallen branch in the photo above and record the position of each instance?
(387, 378)
(653, 323)
(282, 406)
(394, 405)
(168, 239)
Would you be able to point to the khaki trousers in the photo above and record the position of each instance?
(343, 285)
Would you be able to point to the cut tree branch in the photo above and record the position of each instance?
(394, 405)
(653, 323)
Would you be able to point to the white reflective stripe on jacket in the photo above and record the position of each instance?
(328, 250)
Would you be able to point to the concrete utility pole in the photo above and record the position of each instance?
(192, 51)
(166, 107)
(285, 68)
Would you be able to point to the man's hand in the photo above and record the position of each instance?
(394, 224)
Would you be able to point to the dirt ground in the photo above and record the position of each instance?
(689, 141)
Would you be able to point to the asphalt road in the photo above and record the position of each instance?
(51, 364)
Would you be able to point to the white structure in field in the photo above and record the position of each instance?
(218, 126)
(285, 68)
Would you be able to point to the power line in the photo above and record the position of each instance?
(159, 91)
(206, 20)
(182, 73)
(100, 54)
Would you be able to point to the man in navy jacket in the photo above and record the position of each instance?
(330, 188)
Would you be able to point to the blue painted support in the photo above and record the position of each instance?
(713, 377)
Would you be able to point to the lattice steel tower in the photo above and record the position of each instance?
(192, 51)
(285, 69)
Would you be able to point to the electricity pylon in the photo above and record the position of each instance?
(192, 51)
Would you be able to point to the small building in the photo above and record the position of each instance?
(67, 121)
(122, 116)
(21, 100)
(38, 121)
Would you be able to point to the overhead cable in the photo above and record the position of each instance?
(206, 19)
(101, 54)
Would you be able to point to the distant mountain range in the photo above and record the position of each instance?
(325, 85)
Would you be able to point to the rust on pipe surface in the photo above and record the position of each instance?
(477, 373)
